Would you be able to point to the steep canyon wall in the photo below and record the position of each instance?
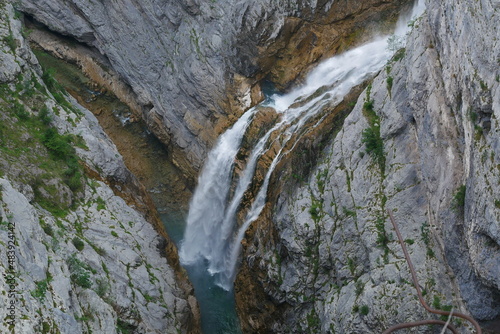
(324, 257)
(83, 249)
(195, 66)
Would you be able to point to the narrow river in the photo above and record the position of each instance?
(218, 312)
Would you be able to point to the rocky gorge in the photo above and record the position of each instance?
(323, 257)
(419, 138)
(83, 249)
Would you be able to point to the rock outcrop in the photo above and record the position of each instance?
(323, 256)
(79, 251)
(195, 66)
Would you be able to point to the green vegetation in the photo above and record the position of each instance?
(473, 116)
(10, 41)
(50, 81)
(313, 322)
(60, 147)
(101, 205)
(483, 85)
(371, 136)
(320, 180)
(478, 130)
(424, 229)
(458, 202)
(389, 84)
(46, 159)
(349, 213)
(316, 209)
(410, 241)
(78, 243)
(195, 39)
(360, 286)
(352, 265)
(400, 54)
(363, 310)
(41, 288)
(382, 237)
(20, 111)
(102, 287)
(44, 116)
(436, 303)
(79, 272)
(124, 327)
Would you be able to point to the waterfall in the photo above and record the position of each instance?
(212, 232)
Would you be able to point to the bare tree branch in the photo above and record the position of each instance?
(421, 299)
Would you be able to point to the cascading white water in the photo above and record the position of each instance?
(212, 232)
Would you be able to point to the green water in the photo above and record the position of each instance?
(217, 306)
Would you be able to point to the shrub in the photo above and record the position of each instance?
(374, 145)
(458, 201)
(101, 205)
(81, 279)
(60, 148)
(400, 54)
(371, 135)
(102, 287)
(79, 272)
(124, 327)
(44, 116)
(50, 81)
(40, 290)
(57, 144)
(78, 243)
(10, 41)
(389, 83)
(364, 310)
(20, 111)
(48, 230)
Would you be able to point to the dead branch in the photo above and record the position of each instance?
(419, 293)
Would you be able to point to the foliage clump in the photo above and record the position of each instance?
(79, 272)
(371, 135)
(458, 202)
(78, 243)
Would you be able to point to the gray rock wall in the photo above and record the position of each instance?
(336, 265)
(193, 64)
(96, 268)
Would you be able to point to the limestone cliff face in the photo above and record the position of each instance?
(79, 251)
(323, 256)
(196, 65)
